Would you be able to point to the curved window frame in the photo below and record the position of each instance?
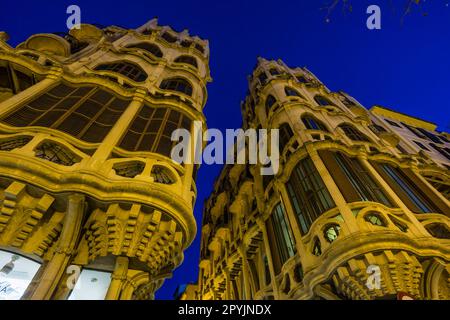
(352, 133)
(291, 92)
(149, 47)
(322, 101)
(187, 59)
(312, 123)
(177, 84)
(127, 69)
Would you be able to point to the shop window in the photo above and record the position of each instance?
(91, 285)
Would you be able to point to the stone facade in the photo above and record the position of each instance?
(358, 210)
(86, 178)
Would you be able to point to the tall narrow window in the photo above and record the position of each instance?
(270, 101)
(308, 194)
(286, 134)
(444, 151)
(283, 234)
(129, 70)
(418, 199)
(360, 179)
(85, 112)
(177, 84)
(313, 124)
(353, 133)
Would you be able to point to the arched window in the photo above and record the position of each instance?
(312, 123)
(308, 194)
(129, 70)
(187, 59)
(301, 79)
(270, 101)
(149, 47)
(322, 101)
(286, 134)
(177, 84)
(292, 92)
(353, 133)
(85, 112)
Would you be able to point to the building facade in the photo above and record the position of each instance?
(359, 208)
(91, 204)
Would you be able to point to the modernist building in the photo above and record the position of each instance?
(86, 180)
(358, 210)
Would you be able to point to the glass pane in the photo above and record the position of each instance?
(16, 273)
(91, 285)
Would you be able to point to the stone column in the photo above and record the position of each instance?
(118, 278)
(246, 274)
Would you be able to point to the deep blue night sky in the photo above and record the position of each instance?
(402, 66)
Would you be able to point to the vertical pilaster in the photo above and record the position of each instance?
(118, 278)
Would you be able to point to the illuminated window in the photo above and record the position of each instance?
(16, 273)
(91, 285)
(375, 219)
(331, 232)
(85, 112)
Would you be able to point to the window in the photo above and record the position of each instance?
(16, 273)
(322, 101)
(375, 219)
(199, 47)
(377, 129)
(401, 149)
(291, 92)
(91, 285)
(187, 59)
(283, 235)
(177, 84)
(168, 37)
(393, 123)
(414, 130)
(301, 79)
(331, 232)
(14, 80)
(317, 247)
(439, 230)
(418, 199)
(353, 133)
(361, 181)
(444, 151)
(286, 134)
(444, 138)
(430, 135)
(149, 47)
(313, 124)
(152, 128)
(274, 72)
(129, 70)
(308, 194)
(270, 101)
(421, 146)
(85, 112)
(262, 78)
